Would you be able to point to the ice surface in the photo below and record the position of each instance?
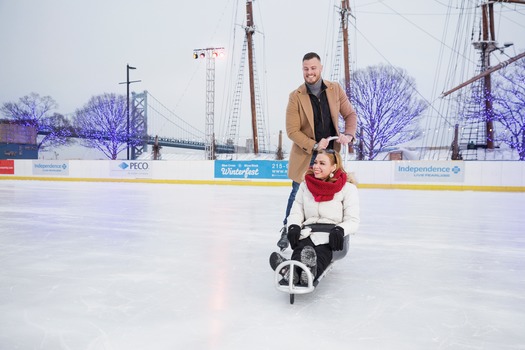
(158, 266)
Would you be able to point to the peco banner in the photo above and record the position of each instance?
(425, 171)
(130, 168)
(251, 169)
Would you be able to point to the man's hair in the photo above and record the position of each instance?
(311, 55)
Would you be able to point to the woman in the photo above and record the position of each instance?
(325, 210)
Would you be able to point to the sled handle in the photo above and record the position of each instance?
(290, 287)
(345, 149)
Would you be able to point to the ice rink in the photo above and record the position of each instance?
(125, 266)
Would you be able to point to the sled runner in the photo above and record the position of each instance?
(297, 288)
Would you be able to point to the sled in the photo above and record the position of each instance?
(294, 289)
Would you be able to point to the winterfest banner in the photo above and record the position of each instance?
(251, 169)
(429, 171)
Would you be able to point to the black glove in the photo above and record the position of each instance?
(294, 231)
(336, 238)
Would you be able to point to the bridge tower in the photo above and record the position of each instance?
(139, 120)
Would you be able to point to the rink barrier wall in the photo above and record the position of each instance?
(503, 176)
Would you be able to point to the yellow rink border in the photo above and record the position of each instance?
(273, 183)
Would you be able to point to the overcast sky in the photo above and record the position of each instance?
(73, 50)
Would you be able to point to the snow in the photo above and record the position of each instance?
(88, 265)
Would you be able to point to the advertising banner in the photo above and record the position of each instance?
(7, 167)
(429, 171)
(130, 169)
(51, 167)
(251, 169)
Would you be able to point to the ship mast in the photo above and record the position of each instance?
(258, 143)
(345, 12)
(250, 29)
(487, 45)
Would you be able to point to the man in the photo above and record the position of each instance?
(312, 116)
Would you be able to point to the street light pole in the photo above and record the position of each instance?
(210, 54)
(128, 67)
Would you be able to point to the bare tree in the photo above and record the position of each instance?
(387, 107)
(57, 131)
(509, 106)
(34, 110)
(102, 124)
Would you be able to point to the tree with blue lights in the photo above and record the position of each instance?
(508, 100)
(36, 111)
(387, 107)
(102, 124)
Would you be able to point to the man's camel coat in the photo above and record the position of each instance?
(300, 125)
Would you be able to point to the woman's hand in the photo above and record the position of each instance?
(294, 232)
(336, 238)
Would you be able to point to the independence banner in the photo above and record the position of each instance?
(429, 171)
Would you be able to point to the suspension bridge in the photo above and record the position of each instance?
(170, 130)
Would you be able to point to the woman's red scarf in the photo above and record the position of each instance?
(323, 190)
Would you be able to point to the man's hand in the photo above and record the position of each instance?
(323, 144)
(345, 139)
